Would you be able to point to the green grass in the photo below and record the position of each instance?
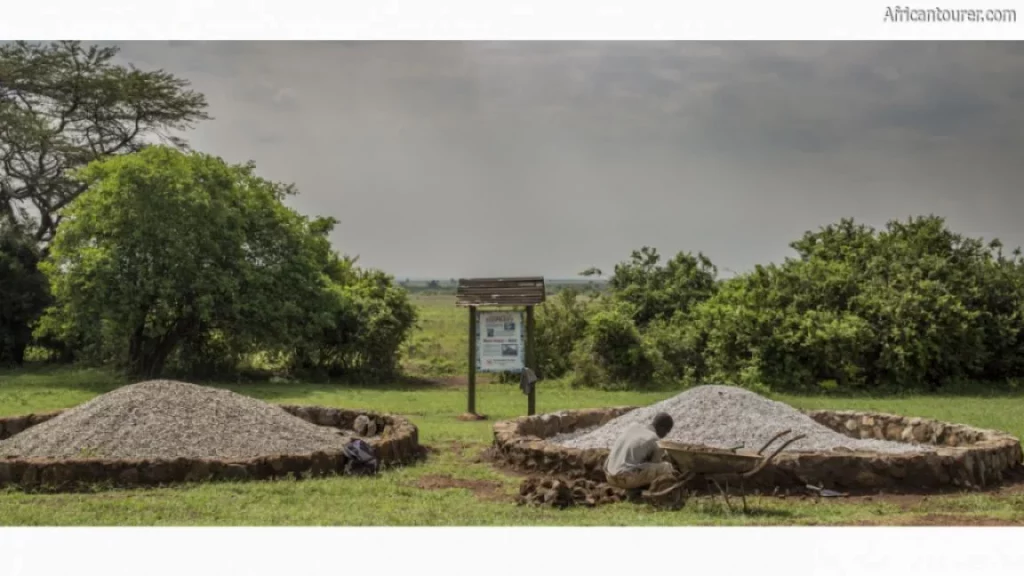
(440, 344)
(396, 499)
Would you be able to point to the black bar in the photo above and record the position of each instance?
(472, 360)
(531, 399)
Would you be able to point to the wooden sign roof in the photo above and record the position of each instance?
(525, 291)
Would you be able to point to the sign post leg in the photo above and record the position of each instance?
(472, 361)
(531, 401)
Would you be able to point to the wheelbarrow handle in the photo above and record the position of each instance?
(768, 460)
(773, 439)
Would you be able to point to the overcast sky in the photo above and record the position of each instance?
(479, 158)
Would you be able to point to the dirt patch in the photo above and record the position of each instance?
(485, 489)
(467, 417)
(954, 520)
(453, 381)
(907, 502)
(458, 381)
(458, 447)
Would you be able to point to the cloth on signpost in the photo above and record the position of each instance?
(527, 379)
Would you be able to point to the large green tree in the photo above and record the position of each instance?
(63, 106)
(166, 248)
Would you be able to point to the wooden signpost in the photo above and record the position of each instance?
(501, 337)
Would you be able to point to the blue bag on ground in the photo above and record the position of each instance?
(360, 459)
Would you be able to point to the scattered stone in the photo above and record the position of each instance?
(364, 426)
(565, 492)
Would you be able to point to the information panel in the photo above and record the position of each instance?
(500, 341)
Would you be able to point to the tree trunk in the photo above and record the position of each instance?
(18, 353)
(136, 344)
(151, 363)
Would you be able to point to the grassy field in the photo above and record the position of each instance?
(453, 487)
(439, 346)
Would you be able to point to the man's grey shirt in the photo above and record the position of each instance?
(635, 446)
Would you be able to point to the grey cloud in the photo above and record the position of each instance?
(501, 157)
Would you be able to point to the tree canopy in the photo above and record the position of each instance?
(165, 248)
(63, 106)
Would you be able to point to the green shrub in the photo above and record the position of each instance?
(559, 324)
(368, 320)
(914, 306)
(911, 306)
(661, 292)
(677, 350)
(612, 354)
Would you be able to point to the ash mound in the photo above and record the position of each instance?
(726, 417)
(165, 419)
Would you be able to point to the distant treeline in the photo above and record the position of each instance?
(449, 286)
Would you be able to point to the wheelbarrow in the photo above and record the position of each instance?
(718, 466)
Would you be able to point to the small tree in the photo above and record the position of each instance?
(166, 247)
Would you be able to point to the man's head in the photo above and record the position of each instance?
(662, 424)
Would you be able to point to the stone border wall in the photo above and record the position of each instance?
(396, 444)
(962, 457)
(520, 443)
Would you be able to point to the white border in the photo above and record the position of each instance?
(478, 19)
(789, 551)
(500, 551)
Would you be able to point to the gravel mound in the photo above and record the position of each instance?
(726, 417)
(168, 419)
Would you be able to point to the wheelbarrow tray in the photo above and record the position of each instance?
(710, 461)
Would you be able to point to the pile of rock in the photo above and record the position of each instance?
(567, 492)
(163, 419)
(726, 417)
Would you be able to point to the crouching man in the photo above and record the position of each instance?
(635, 459)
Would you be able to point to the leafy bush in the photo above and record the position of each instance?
(369, 320)
(637, 334)
(612, 353)
(660, 292)
(911, 306)
(559, 324)
(677, 349)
